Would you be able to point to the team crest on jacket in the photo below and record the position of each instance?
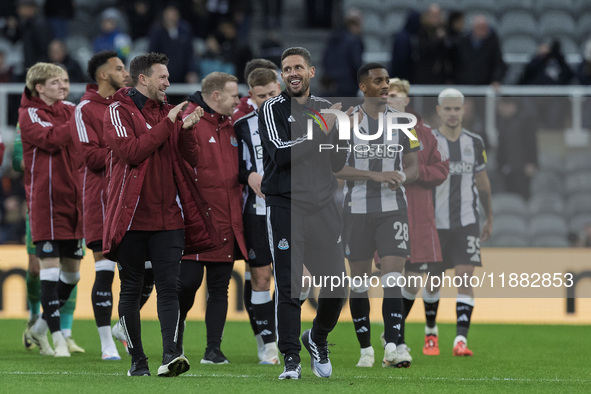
(283, 244)
(233, 141)
(47, 247)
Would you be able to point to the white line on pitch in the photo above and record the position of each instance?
(223, 375)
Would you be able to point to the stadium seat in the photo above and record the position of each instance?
(518, 22)
(547, 224)
(578, 204)
(522, 44)
(550, 241)
(507, 6)
(546, 203)
(401, 6)
(394, 22)
(577, 162)
(578, 182)
(508, 241)
(509, 204)
(550, 162)
(568, 43)
(557, 22)
(582, 6)
(545, 181)
(476, 6)
(373, 23)
(584, 26)
(544, 6)
(373, 43)
(578, 223)
(366, 6)
(508, 225)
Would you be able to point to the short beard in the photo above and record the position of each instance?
(114, 84)
(301, 93)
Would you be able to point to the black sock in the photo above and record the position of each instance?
(102, 297)
(63, 291)
(265, 320)
(359, 304)
(392, 313)
(51, 304)
(248, 306)
(431, 313)
(148, 286)
(406, 307)
(464, 315)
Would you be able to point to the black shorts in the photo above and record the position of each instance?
(71, 248)
(257, 240)
(422, 267)
(460, 246)
(386, 232)
(95, 246)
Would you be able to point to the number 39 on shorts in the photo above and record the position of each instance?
(401, 231)
(473, 244)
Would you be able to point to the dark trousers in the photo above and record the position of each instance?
(164, 249)
(218, 276)
(313, 240)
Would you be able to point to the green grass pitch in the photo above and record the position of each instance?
(507, 358)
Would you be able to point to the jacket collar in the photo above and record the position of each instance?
(210, 115)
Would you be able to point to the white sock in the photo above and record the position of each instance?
(432, 331)
(40, 326)
(58, 338)
(106, 337)
(460, 338)
(260, 297)
(67, 332)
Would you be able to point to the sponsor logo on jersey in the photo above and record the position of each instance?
(377, 151)
(212, 140)
(283, 244)
(291, 119)
(460, 167)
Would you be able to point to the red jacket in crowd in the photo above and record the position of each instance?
(87, 133)
(433, 170)
(51, 169)
(218, 171)
(140, 140)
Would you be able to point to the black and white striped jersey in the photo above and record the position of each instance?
(250, 160)
(456, 199)
(362, 197)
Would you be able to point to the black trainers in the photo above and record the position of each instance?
(214, 356)
(139, 368)
(320, 362)
(292, 369)
(173, 365)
